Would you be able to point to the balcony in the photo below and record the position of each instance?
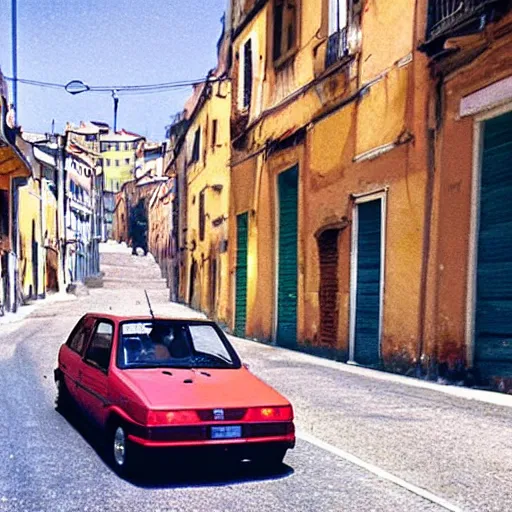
(458, 17)
(337, 47)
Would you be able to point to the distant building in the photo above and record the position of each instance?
(119, 154)
(79, 188)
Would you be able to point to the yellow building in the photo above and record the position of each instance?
(328, 177)
(14, 169)
(208, 181)
(31, 257)
(118, 151)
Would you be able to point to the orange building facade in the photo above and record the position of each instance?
(469, 315)
(329, 177)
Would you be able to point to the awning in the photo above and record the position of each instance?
(45, 158)
(11, 164)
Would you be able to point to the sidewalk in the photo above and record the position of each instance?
(25, 311)
(490, 397)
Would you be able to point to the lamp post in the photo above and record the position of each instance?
(116, 104)
(77, 87)
(14, 26)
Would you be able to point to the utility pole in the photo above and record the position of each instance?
(14, 24)
(116, 103)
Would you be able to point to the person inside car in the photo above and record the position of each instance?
(159, 350)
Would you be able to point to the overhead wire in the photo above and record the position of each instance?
(122, 89)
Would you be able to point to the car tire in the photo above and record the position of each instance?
(271, 458)
(64, 400)
(122, 453)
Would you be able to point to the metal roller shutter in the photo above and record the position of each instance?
(493, 322)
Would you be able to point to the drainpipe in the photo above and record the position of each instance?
(430, 134)
(427, 233)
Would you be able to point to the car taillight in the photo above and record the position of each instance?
(159, 418)
(270, 414)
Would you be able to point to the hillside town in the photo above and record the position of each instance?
(329, 210)
(307, 194)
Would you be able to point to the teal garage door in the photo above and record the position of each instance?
(493, 322)
(242, 237)
(367, 300)
(287, 268)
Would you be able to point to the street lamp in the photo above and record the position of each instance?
(77, 87)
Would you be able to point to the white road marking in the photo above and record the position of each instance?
(381, 473)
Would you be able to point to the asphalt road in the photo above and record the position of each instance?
(458, 450)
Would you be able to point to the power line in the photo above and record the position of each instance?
(124, 89)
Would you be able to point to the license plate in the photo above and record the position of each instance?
(226, 432)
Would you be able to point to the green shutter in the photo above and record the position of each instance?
(287, 269)
(493, 322)
(368, 303)
(242, 227)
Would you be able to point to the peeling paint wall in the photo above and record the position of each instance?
(353, 142)
(160, 229)
(208, 185)
(31, 257)
(482, 61)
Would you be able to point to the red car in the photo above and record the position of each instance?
(154, 383)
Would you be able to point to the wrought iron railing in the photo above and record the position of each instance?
(337, 47)
(446, 15)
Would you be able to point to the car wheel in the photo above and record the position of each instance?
(123, 453)
(270, 459)
(64, 399)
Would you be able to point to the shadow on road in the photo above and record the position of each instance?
(166, 471)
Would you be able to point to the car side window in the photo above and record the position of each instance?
(98, 352)
(78, 337)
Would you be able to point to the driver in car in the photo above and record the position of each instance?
(159, 336)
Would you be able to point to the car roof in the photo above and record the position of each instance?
(146, 318)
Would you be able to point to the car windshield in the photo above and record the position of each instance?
(174, 344)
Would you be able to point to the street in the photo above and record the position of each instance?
(458, 450)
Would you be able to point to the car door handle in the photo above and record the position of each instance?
(79, 374)
(63, 366)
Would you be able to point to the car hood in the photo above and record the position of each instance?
(201, 389)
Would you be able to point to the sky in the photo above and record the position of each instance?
(108, 42)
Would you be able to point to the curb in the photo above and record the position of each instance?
(479, 395)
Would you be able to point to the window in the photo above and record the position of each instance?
(215, 125)
(285, 27)
(117, 163)
(171, 344)
(247, 84)
(127, 161)
(108, 161)
(337, 15)
(78, 338)
(201, 216)
(90, 138)
(98, 353)
(206, 340)
(337, 42)
(197, 146)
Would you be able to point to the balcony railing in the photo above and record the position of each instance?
(448, 15)
(337, 47)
